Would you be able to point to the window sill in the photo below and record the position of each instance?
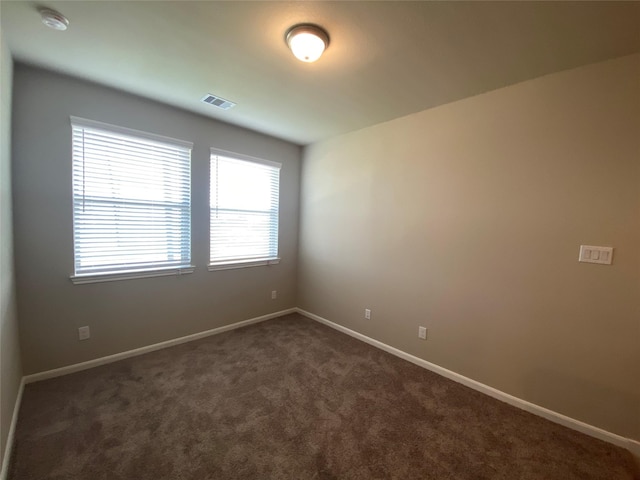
(112, 277)
(232, 265)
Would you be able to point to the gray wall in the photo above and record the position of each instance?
(467, 219)
(10, 366)
(127, 314)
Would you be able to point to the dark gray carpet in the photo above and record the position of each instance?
(288, 399)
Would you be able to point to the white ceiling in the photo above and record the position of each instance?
(385, 60)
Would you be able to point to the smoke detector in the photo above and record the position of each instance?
(53, 19)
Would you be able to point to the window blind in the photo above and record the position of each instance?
(244, 202)
(131, 200)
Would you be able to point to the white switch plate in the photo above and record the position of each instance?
(83, 333)
(422, 333)
(592, 254)
(367, 314)
(274, 294)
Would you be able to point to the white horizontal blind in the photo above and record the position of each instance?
(131, 201)
(244, 198)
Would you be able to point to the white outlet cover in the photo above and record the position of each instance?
(367, 314)
(84, 333)
(422, 332)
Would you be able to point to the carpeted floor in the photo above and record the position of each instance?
(288, 399)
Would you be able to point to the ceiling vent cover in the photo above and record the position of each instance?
(218, 102)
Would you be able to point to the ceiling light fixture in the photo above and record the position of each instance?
(307, 42)
(53, 19)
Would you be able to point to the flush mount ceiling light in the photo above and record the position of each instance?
(53, 19)
(307, 42)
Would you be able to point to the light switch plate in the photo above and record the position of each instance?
(593, 254)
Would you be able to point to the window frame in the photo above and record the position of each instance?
(132, 273)
(232, 264)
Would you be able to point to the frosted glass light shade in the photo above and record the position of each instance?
(307, 42)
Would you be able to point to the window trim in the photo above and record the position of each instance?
(154, 271)
(249, 262)
(212, 267)
(240, 156)
(85, 122)
(130, 275)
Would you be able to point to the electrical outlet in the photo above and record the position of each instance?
(422, 333)
(274, 294)
(84, 333)
(367, 314)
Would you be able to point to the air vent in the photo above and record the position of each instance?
(218, 102)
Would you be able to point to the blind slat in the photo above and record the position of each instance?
(244, 209)
(131, 202)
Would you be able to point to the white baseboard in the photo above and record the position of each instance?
(634, 448)
(58, 372)
(12, 432)
(632, 445)
(36, 377)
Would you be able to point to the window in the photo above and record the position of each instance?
(131, 203)
(244, 198)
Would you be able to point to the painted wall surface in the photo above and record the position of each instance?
(124, 315)
(468, 218)
(10, 365)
